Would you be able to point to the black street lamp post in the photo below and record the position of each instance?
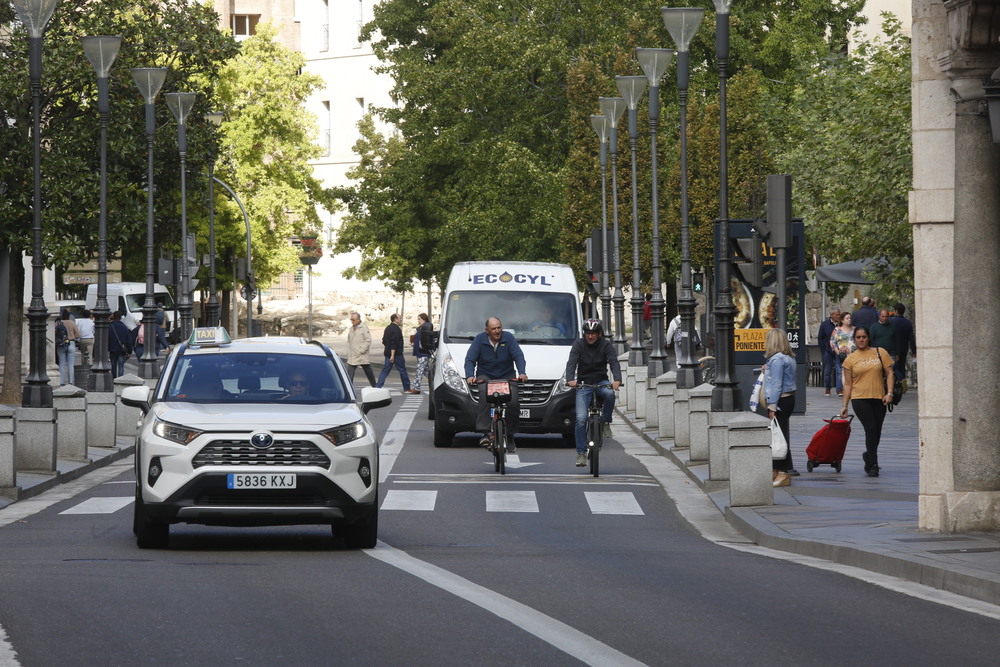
(212, 307)
(149, 80)
(632, 88)
(726, 396)
(36, 393)
(613, 108)
(101, 51)
(180, 105)
(603, 129)
(654, 63)
(682, 23)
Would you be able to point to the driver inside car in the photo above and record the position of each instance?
(547, 321)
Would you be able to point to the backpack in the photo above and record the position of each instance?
(678, 336)
(61, 335)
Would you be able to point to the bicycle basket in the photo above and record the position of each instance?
(498, 391)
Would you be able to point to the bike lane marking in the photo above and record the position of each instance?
(577, 644)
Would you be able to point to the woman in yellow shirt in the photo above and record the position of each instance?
(868, 380)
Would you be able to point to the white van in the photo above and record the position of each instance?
(127, 298)
(538, 303)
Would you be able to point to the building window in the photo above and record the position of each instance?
(244, 25)
(324, 129)
(325, 37)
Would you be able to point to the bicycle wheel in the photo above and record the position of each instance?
(500, 448)
(594, 441)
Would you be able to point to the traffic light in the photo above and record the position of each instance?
(698, 282)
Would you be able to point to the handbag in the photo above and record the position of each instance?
(757, 392)
(897, 387)
(779, 446)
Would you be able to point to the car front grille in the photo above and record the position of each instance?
(242, 453)
(530, 392)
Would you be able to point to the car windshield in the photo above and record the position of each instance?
(253, 377)
(548, 319)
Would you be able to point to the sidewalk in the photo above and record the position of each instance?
(853, 519)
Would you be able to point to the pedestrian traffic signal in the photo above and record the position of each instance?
(698, 282)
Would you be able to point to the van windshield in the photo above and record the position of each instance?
(545, 319)
(135, 301)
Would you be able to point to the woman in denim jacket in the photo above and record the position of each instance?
(779, 395)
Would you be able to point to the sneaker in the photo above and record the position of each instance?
(511, 447)
(581, 460)
(486, 442)
(606, 429)
(412, 391)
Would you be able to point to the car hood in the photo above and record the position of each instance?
(254, 416)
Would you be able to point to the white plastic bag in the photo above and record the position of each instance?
(779, 446)
(755, 392)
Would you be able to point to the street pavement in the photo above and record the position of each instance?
(847, 517)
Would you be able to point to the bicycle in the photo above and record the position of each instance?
(595, 424)
(498, 395)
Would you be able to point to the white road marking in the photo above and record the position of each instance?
(581, 646)
(8, 658)
(100, 505)
(393, 441)
(514, 462)
(421, 501)
(613, 502)
(511, 501)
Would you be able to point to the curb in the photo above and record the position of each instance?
(70, 475)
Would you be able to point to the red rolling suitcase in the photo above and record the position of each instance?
(828, 444)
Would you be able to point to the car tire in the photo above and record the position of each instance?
(442, 438)
(149, 533)
(430, 403)
(360, 535)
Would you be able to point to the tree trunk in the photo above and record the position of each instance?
(11, 393)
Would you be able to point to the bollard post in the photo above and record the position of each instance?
(682, 434)
(126, 418)
(70, 403)
(665, 386)
(101, 418)
(699, 406)
(8, 444)
(639, 392)
(750, 461)
(36, 440)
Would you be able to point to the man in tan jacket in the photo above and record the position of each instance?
(359, 343)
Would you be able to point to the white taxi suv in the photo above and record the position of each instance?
(255, 432)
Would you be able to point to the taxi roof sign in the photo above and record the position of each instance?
(209, 336)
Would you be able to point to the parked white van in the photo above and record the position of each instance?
(128, 298)
(538, 303)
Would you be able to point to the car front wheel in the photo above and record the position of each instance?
(149, 533)
(360, 535)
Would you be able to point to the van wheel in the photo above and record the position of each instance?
(442, 438)
(430, 403)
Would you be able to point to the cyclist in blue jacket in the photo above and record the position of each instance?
(493, 355)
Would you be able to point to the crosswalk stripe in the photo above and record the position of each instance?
(422, 501)
(613, 502)
(511, 501)
(100, 505)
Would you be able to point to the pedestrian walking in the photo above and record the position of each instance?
(359, 345)
(420, 352)
(66, 335)
(119, 344)
(906, 341)
(392, 341)
(868, 382)
(866, 315)
(842, 344)
(883, 334)
(779, 396)
(831, 379)
(85, 324)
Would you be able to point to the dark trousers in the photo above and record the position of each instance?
(786, 405)
(513, 407)
(871, 414)
(367, 368)
(400, 365)
(829, 370)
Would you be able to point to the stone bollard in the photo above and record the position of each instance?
(750, 461)
(70, 403)
(639, 391)
(36, 439)
(718, 445)
(126, 418)
(665, 386)
(101, 418)
(699, 406)
(652, 414)
(623, 396)
(8, 472)
(682, 434)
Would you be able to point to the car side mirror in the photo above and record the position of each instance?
(374, 397)
(136, 397)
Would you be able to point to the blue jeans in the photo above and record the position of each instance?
(400, 366)
(839, 372)
(117, 364)
(607, 395)
(830, 375)
(66, 357)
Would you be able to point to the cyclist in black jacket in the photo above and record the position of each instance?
(589, 361)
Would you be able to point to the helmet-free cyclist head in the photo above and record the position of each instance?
(593, 325)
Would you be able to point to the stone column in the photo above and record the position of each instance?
(36, 440)
(639, 392)
(718, 445)
(652, 414)
(101, 418)
(749, 461)
(699, 405)
(70, 403)
(665, 385)
(126, 417)
(682, 433)
(8, 444)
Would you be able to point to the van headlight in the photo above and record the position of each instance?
(452, 377)
(560, 387)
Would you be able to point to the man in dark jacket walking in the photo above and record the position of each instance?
(589, 361)
(906, 341)
(392, 340)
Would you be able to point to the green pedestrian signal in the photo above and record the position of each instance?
(698, 282)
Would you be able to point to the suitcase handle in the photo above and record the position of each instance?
(849, 419)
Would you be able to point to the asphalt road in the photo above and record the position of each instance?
(545, 565)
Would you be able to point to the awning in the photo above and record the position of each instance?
(846, 272)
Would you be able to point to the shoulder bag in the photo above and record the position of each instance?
(897, 387)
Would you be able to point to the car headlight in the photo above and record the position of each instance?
(452, 377)
(174, 433)
(345, 434)
(560, 386)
